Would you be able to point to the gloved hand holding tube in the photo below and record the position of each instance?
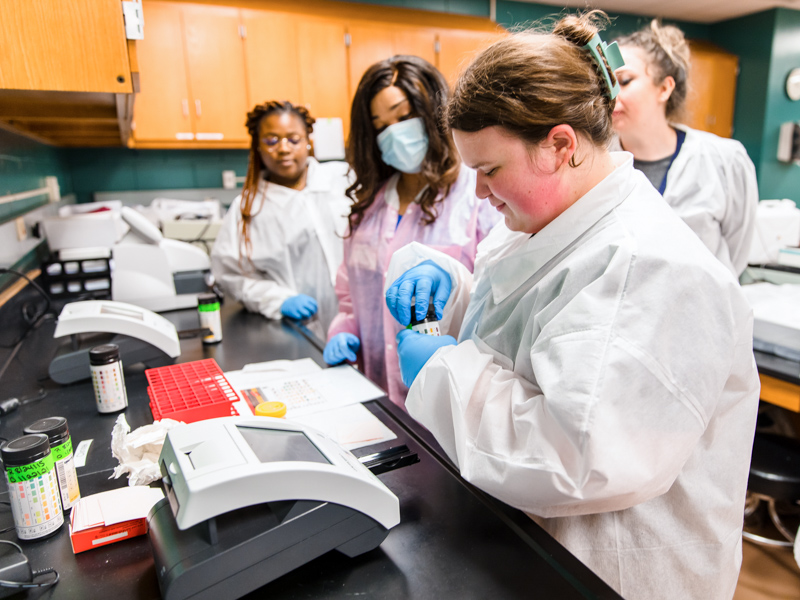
(341, 347)
(415, 349)
(422, 281)
(299, 307)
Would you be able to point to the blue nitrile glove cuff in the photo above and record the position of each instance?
(422, 281)
(415, 349)
(299, 307)
(341, 347)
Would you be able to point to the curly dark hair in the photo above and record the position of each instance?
(256, 169)
(427, 92)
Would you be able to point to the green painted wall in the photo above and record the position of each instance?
(477, 8)
(781, 180)
(518, 14)
(768, 46)
(23, 166)
(121, 169)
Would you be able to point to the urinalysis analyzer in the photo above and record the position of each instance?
(249, 499)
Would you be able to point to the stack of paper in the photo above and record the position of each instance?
(109, 517)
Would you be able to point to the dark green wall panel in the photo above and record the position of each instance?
(23, 166)
(477, 8)
(121, 169)
(781, 180)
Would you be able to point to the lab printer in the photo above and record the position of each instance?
(249, 499)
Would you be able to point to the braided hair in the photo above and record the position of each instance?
(256, 169)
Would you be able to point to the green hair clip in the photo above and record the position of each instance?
(599, 49)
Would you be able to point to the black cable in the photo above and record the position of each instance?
(26, 585)
(31, 319)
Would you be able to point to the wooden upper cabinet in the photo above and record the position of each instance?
(712, 89)
(64, 46)
(271, 56)
(192, 76)
(217, 83)
(373, 42)
(323, 68)
(458, 47)
(161, 110)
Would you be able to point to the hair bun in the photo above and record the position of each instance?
(580, 29)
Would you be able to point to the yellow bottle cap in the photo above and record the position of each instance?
(271, 409)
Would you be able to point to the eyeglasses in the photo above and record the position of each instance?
(273, 141)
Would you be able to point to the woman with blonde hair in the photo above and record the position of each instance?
(281, 240)
(709, 181)
(602, 379)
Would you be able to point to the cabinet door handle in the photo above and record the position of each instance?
(197, 109)
(185, 104)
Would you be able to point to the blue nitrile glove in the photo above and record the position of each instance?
(414, 349)
(299, 307)
(423, 280)
(342, 347)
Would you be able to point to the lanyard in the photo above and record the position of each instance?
(681, 138)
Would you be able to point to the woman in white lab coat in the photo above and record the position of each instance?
(708, 180)
(603, 378)
(281, 240)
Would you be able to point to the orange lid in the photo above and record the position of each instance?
(271, 409)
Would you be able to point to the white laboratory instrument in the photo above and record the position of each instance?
(252, 498)
(155, 272)
(142, 336)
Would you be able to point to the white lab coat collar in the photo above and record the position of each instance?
(316, 181)
(527, 254)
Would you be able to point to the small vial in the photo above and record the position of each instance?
(208, 306)
(109, 383)
(429, 325)
(32, 487)
(57, 432)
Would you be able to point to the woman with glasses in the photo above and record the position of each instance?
(281, 241)
(410, 187)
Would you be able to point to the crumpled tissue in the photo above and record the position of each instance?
(138, 452)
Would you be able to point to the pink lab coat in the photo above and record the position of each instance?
(463, 221)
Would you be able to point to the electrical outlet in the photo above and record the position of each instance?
(22, 230)
(229, 180)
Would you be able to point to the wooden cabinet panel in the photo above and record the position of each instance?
(457, 47)
(215, 61)
(63, 46)
(712, 89)
(372, 42)
(161, 111)
(271, 58)
(323, 69)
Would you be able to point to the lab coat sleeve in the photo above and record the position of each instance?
(253, 289)
(738, 225)
(413, 254)
(604, 427)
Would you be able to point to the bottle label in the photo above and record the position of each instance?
(212, 321)
(109, 387)
(35, 502)
(67, 476)
(426, 327)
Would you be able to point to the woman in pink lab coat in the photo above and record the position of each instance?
(410, 187)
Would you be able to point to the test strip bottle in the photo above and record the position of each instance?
(32, 487)
(107, 378)
(208, 307)
(429, 325)
(57, 432)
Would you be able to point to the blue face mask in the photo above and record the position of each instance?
(404, 145)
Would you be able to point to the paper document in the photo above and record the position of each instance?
(351, 426)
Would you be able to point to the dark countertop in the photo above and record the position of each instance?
(453, 541)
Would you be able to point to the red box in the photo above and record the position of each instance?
(102, 535)
(190, 392)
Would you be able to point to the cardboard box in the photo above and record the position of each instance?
(108, 517)
(103, 535)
